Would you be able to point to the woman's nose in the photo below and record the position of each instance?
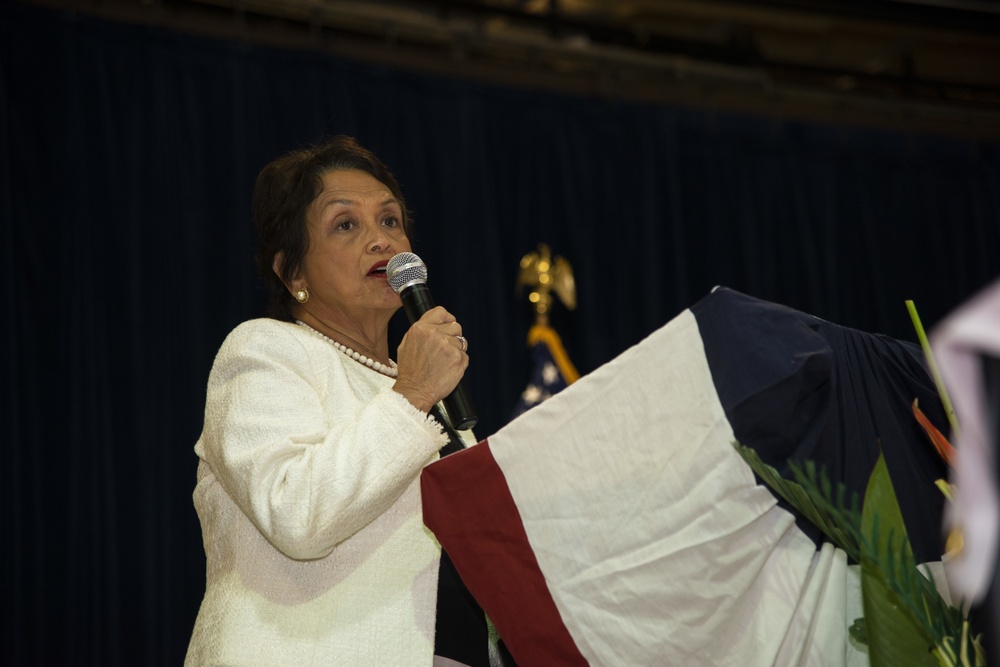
(378, 241)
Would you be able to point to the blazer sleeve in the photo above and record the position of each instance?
(305, 458)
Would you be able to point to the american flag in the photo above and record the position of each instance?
(552, 369)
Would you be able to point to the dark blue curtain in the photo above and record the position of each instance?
(127, 156)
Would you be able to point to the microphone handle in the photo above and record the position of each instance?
(417, 300)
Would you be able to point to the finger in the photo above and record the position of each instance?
(438, 315)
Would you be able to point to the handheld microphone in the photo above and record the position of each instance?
(407, 275)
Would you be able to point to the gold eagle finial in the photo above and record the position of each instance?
(544, 275)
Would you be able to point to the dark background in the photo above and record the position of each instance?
(127, 157)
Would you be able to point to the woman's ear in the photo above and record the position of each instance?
(279, 260)
(276, 266)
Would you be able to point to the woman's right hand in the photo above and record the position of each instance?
(430, 359)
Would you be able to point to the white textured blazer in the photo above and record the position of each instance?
(309, 500)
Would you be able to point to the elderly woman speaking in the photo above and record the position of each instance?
(314, 438)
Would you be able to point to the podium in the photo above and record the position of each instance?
(616, 524)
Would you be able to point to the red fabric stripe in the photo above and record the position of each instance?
(470, 510)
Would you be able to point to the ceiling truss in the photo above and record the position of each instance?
(928, 65)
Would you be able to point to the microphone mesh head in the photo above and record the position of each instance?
(405, 269)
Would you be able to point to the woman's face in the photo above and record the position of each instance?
(355, 225)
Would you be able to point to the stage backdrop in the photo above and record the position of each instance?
(127, 156)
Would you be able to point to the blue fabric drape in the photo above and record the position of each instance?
(127, 157)
(795, 387)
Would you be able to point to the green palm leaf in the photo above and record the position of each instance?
(814, 500)
(897, 637)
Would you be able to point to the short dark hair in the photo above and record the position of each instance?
(284, 190)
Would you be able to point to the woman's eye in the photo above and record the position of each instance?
(344, 224)
(391, 221)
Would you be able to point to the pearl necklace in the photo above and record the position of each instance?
(389, 370)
